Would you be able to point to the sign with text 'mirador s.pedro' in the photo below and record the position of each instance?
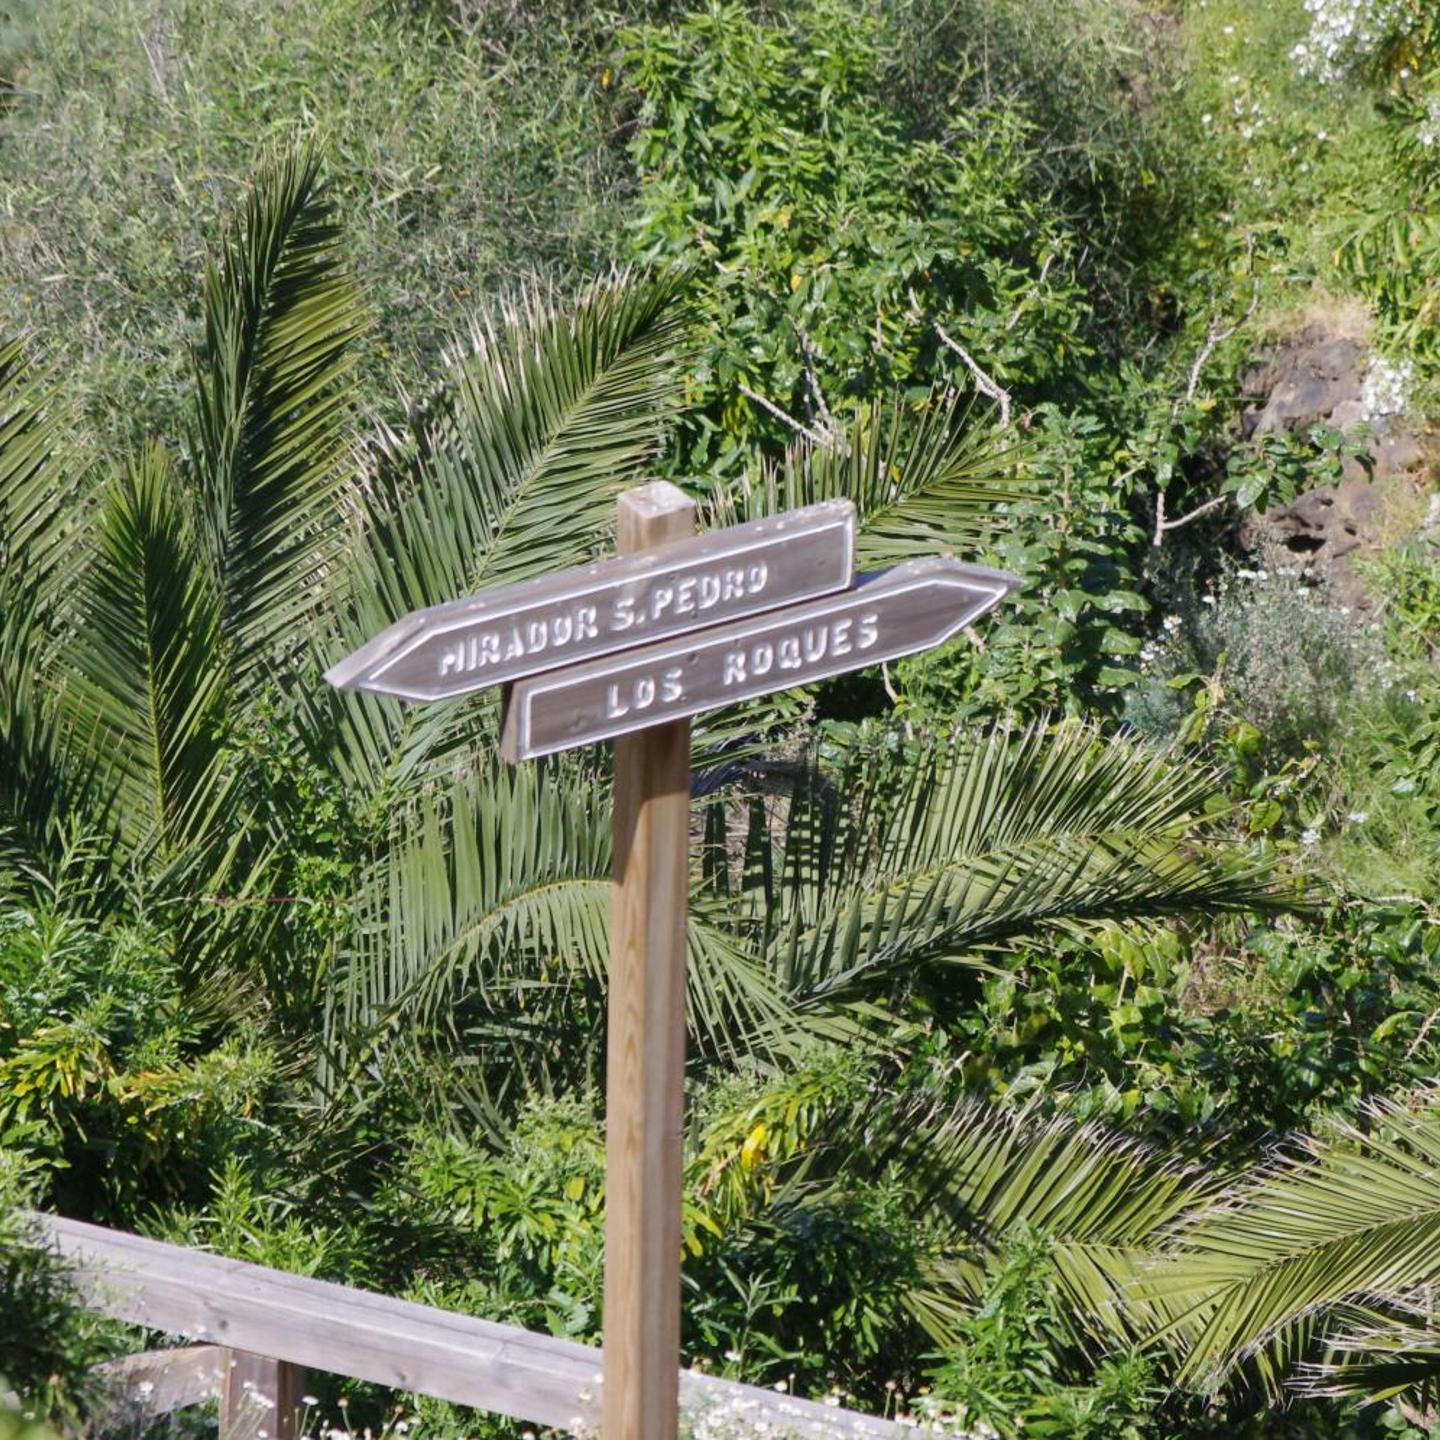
(616, 604)
(912, 607)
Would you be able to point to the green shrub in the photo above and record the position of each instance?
(130, 126)
(1264, 646)
(828, 239)
(48, 1342)
(104, 1073)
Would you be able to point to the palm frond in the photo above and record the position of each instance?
(977, 844)
(40, 482)
(510, 471)
(923, 481)
(978, 1173)
(1376, 1355)
(41, 516)
(497, 898)
(1350, 1220)
(512, 468)
(272, 410)
(149, 677)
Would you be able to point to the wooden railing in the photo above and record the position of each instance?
(261, 1328)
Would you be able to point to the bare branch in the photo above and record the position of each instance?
(816, 437)
(1164, 526)
(984, 383)
(1215, 336)
(828, 422)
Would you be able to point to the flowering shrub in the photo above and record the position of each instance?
(1354, 37)
(1345, 34)
(1387, 387)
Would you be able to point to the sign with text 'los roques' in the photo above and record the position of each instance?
(912, 607)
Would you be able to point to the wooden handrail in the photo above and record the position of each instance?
(396, 1343)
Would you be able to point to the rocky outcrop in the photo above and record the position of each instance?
(1319, 378)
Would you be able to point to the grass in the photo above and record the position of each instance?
(460, 162)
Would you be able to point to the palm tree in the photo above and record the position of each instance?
(367, 880)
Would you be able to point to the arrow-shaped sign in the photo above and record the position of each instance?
(912, 607)
(616, 604)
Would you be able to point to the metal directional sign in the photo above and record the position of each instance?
(912, 607)
(616, 604)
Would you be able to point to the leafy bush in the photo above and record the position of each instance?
(103, 1073)
(1012, 1373)
(48, 1342)
(830, 243)
(1266, 647)
(127, 132)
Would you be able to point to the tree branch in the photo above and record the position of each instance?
(816, 437)
(985, 384)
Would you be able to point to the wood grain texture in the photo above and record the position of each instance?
(645, 1066)
(329, 1327)
(259, 1397)
(409, 1347)
(157, 1382)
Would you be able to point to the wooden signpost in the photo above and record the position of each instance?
(628, 650)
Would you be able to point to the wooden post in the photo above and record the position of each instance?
(259, 1397)
(645, 1072)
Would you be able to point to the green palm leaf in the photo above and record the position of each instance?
(150, 683)
(511, 470)
(40, 482)
(273, 404)
(987, 841)
(1352, 1219)
(922, 481)
(978, 1173)
(498, 900)
(1376, 1356)
(41, 518)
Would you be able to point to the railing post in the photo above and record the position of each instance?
(259, 1397)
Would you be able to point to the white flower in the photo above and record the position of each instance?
(1387, 387)
(1429, 130)
(1229, 29)
(1404, 786)
(1206, 118)
(1344, 32)
(1358, 817)
(1309, 837)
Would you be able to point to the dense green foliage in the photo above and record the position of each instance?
(1062, 1003)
